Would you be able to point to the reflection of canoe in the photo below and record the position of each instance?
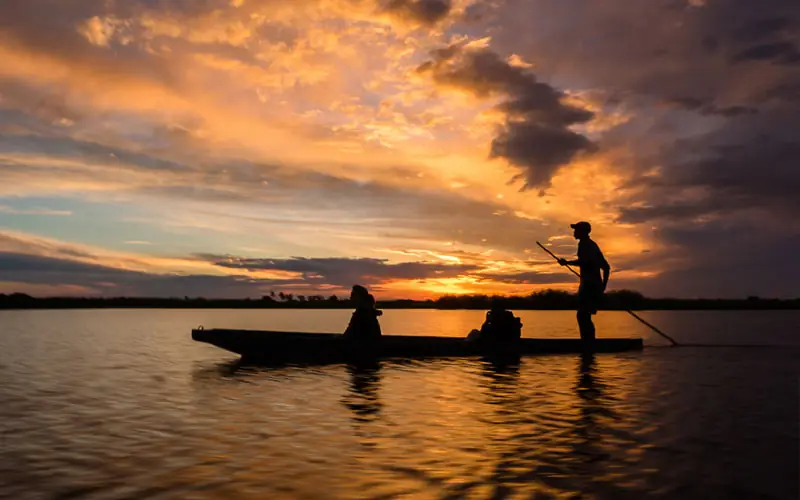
(282, 346)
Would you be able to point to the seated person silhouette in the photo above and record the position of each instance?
(364, 325)
(500, 326)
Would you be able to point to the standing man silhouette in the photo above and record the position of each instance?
(591, 261)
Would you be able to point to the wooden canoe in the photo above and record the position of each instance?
(332, 348)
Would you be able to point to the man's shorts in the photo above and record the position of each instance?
(590, 297)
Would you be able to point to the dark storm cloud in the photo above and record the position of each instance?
(779, 52)
(746, 165)
(706, 108)
(722, 258)
(786, 93)
(536, 136)
(428, 12)
(345, 272)
(726, 177)
(769, 36)
(667, 49)
(726, 207)
(764, 27)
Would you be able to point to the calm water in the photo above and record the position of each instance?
(123, 405)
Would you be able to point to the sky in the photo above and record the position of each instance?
(229, 148)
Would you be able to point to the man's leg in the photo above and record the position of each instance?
(585, 325)
(585, 310)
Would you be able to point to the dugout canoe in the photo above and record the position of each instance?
(265, 345)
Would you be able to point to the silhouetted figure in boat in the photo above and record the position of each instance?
(500, 326)
(364, 325)
(590, 293)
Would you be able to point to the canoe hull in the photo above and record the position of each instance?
(257, 345)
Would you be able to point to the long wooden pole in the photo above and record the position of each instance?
(576, 273)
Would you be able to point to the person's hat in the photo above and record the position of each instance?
(582, 225)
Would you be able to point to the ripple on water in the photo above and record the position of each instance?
(159, 418)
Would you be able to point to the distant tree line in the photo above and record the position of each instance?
(616, 300)
(280, 300)
(542, 300)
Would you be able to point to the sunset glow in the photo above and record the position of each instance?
(421, 147)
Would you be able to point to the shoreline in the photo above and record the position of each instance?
(710, 307)
(547, 300)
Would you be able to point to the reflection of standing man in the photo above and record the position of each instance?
(591, 261)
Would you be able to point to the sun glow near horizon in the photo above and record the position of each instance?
(331, 141)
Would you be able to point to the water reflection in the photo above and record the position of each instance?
(226, 369)
(552, 439)
(207, 375)
(548, 425)
(501, 367)
(140, 410)
(590, 429)
(362, 395)
(506, 436)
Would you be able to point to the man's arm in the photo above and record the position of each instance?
(606, 272)
(575, 262)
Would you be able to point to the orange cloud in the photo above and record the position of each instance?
(253, 105)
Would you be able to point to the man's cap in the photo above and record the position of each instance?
(582, 225)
